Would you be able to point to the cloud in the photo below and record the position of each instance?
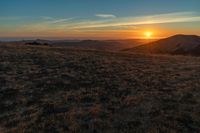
(47, 18)
(9, 18)
(175, 17)
(74, 24)
(61, 20)
(105, 15)
(117, 23)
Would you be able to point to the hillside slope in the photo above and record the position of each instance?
(102, 45)
(57, 89)
(178, 44)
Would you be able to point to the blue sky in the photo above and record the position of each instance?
(93, 18)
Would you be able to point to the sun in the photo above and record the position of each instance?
(148, 34)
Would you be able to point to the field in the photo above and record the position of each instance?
(56, 89)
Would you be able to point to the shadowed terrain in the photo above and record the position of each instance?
(58, 89)
(103, 45)
(175, 45)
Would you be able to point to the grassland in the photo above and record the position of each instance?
(55, 89)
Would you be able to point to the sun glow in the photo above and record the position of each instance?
(148, 34)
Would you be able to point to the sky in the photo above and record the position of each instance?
(98, 19)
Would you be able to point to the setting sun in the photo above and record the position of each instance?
(100, 66)
(148, 34)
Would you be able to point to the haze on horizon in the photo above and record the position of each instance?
(94, 19)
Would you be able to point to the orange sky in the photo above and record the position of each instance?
(95, 19)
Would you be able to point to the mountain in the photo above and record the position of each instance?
(103, 45)
(177, 44)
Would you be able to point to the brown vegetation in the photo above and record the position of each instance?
(56, 89)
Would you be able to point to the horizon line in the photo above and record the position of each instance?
(82, 38)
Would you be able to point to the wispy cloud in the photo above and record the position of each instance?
(74, 24)
(9, 18)
(47, 18)
(61, 20)
(105, 15)
(143, 20)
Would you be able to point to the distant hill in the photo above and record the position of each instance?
(103, 45)
(107, 45)
(177, 44)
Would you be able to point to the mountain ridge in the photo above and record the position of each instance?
(176, 44)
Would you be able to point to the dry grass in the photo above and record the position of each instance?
(49, 89)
